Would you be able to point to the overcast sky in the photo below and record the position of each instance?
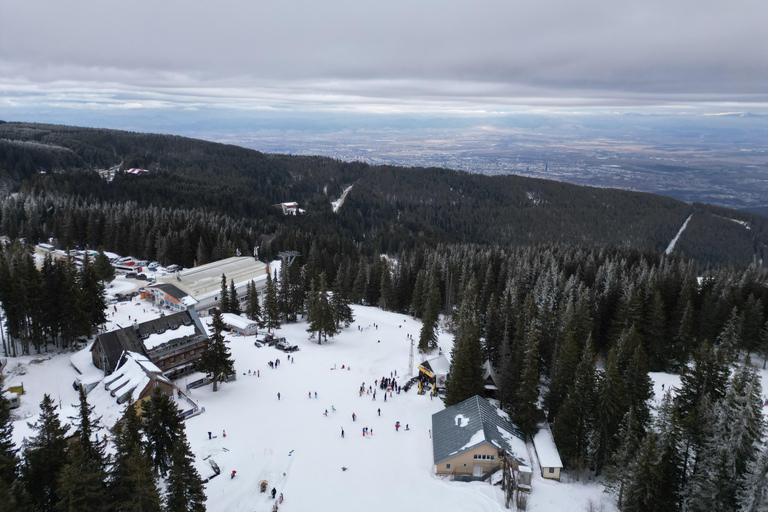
(370, 56)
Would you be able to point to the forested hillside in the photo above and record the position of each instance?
(202, 200)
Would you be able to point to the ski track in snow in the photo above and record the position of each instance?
(674, 240)
(340, 201)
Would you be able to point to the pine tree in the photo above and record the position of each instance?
(104, 270)
(574, 425)
(44, 457)
(754, 495)
(185, 487)
(9, 460)
(428, 336)
(93, 303)
(493, 331)
(161, 426)
(271, 310)
(234, 303)
(216, 360)
(619, 472)
(252, 306)
(321, 318)
(82, 481)
(645, 488)
(224, 304)
(729, 340)
(131, 484)
(611, 406)
(563, 374)
(525, 412)
(465, 378)
(342, 311)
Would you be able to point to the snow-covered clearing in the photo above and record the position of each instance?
(291, 444)
(671, 246)
(340, 201)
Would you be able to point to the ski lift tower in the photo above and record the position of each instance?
(288, 256)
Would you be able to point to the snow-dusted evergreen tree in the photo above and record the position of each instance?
(562, 375)
(732, 434)
(185, 491)
(321, 317)
(44, 457)
(342, 311)
(525, 411)
(9, 459)
(132, 484)
(493, 331)
(753, 497)
(234, 303)
(729, 339)
(645, 489)
(224, 303)
(574, 425)
(619, 472)
(271, 310)
(161, 427)
(466, 372)
(83, 480)
(252, 306)
(216, 360)
(427, 335)
(612, 405)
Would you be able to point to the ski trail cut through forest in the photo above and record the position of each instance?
(674, 240)
(340, 201)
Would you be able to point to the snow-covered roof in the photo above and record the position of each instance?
(133, 374)
(157, 339)
(470, 423)
(546, 449)
(438, 365)
(236, 321)
(205, 279)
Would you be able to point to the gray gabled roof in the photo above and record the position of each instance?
(470, 423)
(170, 290)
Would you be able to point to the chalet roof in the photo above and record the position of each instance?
(132, 339)
(471, 423)
(133, 375)
(236, 321)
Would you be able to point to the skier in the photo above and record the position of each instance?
(379, 412)
(333, 409)
(309, 395)
(342, 432)
(406, 427)
(315, 394)
(274, 491)
(397, 427)
(233, 474)
(354, 417)
(325, 413)
(278, 396)
(209, 435)
(223, 433)
(280, 501)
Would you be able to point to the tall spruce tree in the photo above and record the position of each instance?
(161, 427)
(224, 303)
(234, 303)
(612, 405)
(83, 480)
(9, 459)
(525, 411)
(271, 312)
(105, 272)
(574, 425)
(466, 372)
(645, 488)
(216, 360)
(322, 320)
(252, 306)
(185, 491)
(44, 456)
(132, 484)
(342, 311)
(92, 301)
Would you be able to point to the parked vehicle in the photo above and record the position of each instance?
(283, 345)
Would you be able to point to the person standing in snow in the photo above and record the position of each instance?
(397, 427)
(354, 417)
(379, 412)
(233, 474)
(274, 491)
(278, 396)
(342, 432)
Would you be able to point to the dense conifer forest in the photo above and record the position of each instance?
(564, 289)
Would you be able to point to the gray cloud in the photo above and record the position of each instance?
(397, 55)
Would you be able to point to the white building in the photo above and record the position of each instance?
(203, 283)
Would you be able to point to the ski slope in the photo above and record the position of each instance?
(388, 471)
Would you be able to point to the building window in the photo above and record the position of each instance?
(173, 359)
(484, 457)
(447, 466)
(183, 356)
(162, 363)
(191, 352)
(551, 470)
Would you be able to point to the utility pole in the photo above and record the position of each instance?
(410, 362)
